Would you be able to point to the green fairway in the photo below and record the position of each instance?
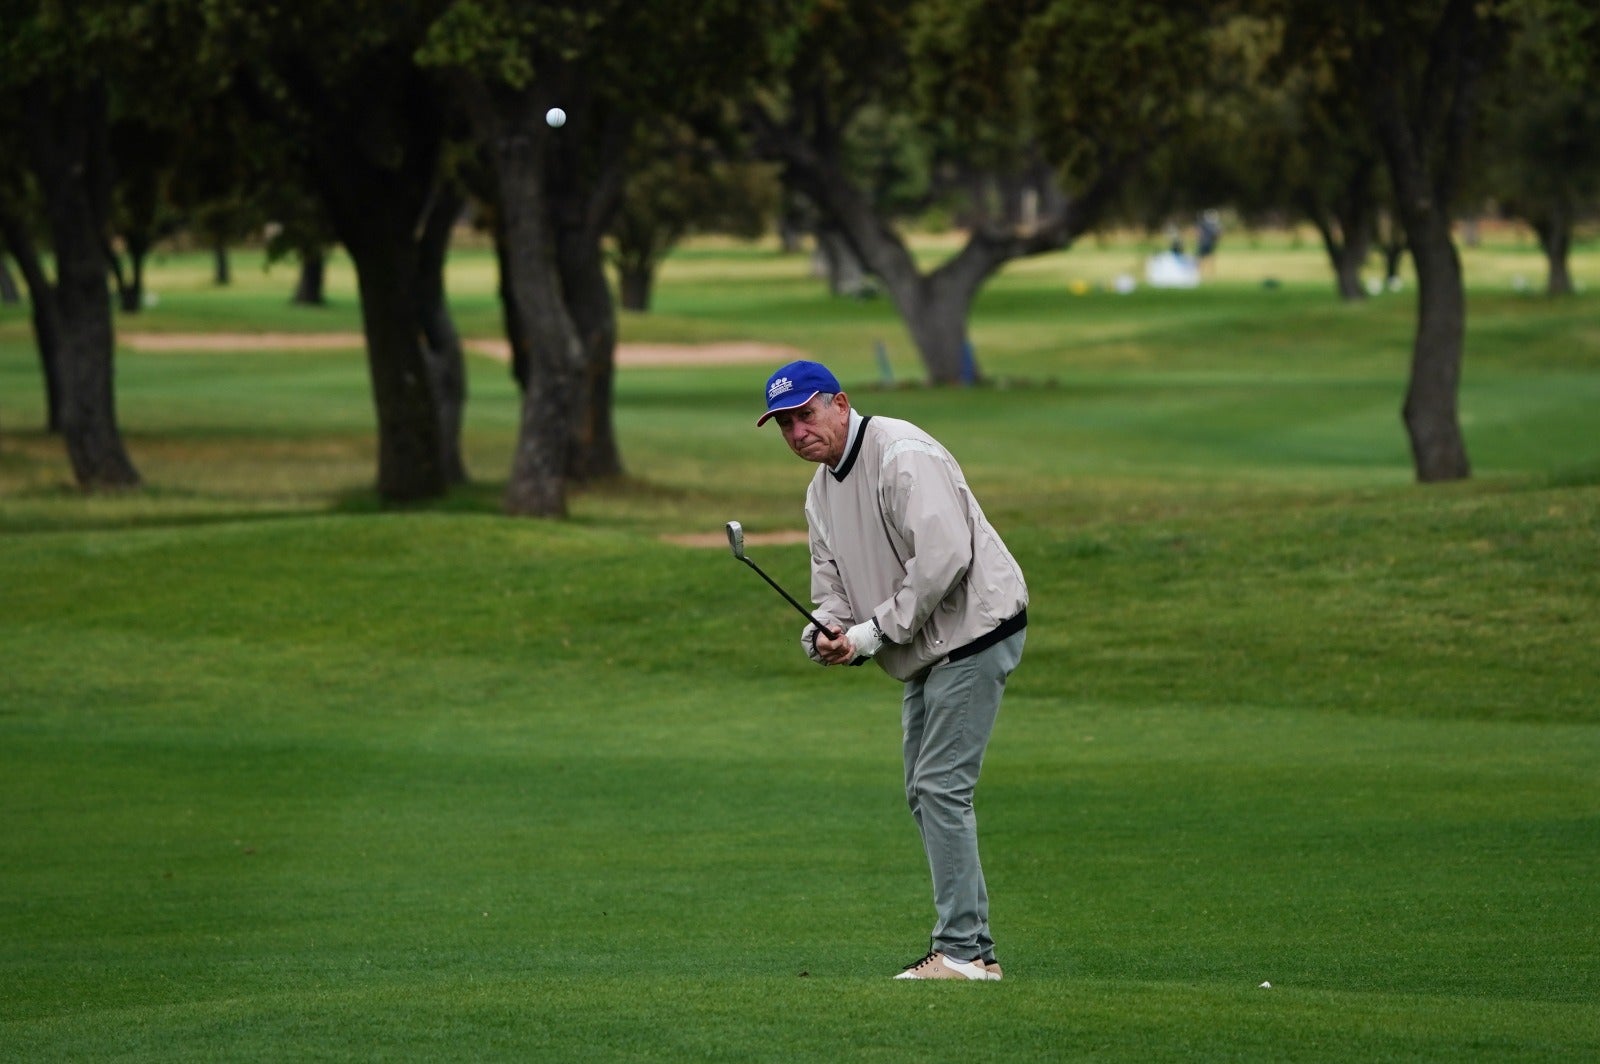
(287, 776)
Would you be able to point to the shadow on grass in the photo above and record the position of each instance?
(64, 508)
(1585, 475)
(488, 497)
(612, 502)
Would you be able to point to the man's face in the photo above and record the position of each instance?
(817, 431)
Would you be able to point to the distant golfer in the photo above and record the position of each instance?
(905, 563)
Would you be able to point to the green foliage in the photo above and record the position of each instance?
(857, 48)
(501, 39)
(832, 58)
(1079, 79)
(617, 47)
(891, 157)
(1567, 37)
(965, 65)
(1267, 134)
(72, 42)
(1542, 143)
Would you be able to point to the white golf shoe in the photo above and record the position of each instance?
(938, 966)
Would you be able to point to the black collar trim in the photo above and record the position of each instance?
(850, 459)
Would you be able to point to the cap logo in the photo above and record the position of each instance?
(778, 387)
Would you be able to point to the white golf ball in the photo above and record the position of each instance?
(556, 117)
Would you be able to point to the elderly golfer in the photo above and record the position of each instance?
(907, 570)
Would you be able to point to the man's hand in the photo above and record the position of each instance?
(865, 638)
(834, 651)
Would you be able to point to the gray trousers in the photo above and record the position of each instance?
(947, 716)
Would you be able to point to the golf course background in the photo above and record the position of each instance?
(288, 776)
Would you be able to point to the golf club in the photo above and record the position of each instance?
(736, 543)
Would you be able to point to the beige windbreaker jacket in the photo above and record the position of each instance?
(896, 534)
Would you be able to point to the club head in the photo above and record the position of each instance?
(736, 539)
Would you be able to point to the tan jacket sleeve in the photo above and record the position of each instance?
(827, 589)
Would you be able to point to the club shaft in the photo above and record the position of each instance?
(803, 611)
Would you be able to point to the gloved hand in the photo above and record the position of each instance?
(865, 638)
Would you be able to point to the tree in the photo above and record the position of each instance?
(10, 294)
(1290, 136)
(1418, 70)
(19, 213)
(892, 158)
(585, 175)
(490, 55)
(679, 182)
(554, 191)
(16, 235)
(1542, 154)
(227, 174)
(1422, 70)
(264, 189)
(340, 84)
(143, 157)
(59, 65)
(1033, 93)
(628, 82)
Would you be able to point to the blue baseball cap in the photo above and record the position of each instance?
(794, 385)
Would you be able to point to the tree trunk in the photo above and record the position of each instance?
(10, 294)
(1423, 150)
(794, 219)
(1438, 448)
(221, 271)
(131, 296)
(1347, 227)
(637, 251)
(65, 130)
(442, 340)
(1555, 240)
(594, 452)
(934, 307)
(1346, 263)
(375, 162)
(521, 346)
(846, 277)
(586, 201)
(1390, 237)
(308, 288)
(1394, 253)
(46, 312)
(510, 127)
(411, 463)
(1348, 259)
(553, 352)
(791, 239)
(635, 283)
(1347, 271)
